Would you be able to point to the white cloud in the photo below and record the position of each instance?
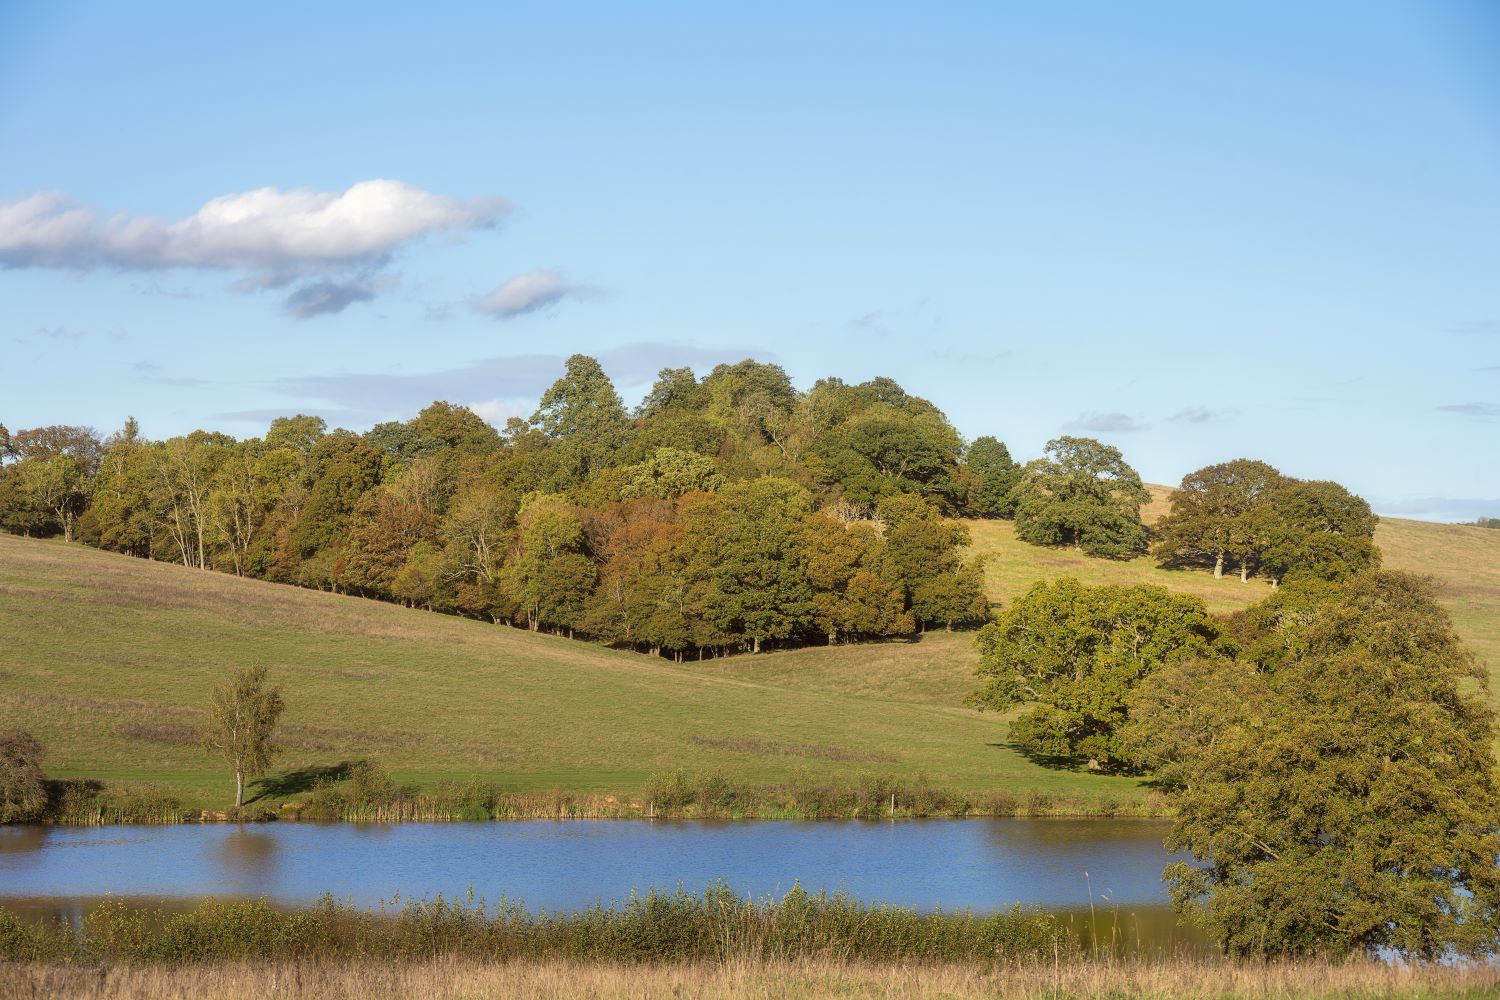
(275, 237)
(525, 293)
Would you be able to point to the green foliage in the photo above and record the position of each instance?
(745, 543)
(1218, 516)
(670, 473)
(583, 415)
(996, 475)
(23, 786)
(1076, 653)
(1345, 798)
(1318, 529)
(1082, 493)
(242, 717)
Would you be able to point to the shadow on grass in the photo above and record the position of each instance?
(1053, 762)
(304, 779)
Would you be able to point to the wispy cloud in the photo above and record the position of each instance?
(525, 293)
(1104, 423)
(275, 238)
(322, 297)
(1198, 415)
(1476, 411)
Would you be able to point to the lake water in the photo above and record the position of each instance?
(1111, 866)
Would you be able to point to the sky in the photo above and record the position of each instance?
(1195, 231)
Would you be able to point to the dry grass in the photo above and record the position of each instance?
(471, 980)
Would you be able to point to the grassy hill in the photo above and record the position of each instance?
(107, 660)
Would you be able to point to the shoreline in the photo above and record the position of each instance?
(374, 798)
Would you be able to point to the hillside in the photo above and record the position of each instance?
(108, 659)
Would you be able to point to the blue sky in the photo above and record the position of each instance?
(1197, 231)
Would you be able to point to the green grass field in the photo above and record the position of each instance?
(107, 660)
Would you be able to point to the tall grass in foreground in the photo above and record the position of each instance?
(809, 979)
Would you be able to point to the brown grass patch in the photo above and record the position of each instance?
(450, 979)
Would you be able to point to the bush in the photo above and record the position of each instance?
(23, 786)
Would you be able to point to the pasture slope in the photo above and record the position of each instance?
(107, 660)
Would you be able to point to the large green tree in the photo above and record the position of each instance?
(922, 554)
(1081, 492)
(1216, 516)
(1343, 800)
(996, 475)
(1075, 654)
(1317, 529)
(747, 544)
(583, 416)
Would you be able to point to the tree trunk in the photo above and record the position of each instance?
(1244, 572)
(1219, 567)
(755, 645)
(239, 788)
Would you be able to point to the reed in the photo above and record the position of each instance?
(365, 793)
(716, 925)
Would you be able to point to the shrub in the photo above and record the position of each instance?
(23, 786)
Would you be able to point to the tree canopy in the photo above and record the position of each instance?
(1343, 797)
(1075, 654)
(1082, 493)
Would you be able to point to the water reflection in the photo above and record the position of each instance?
(249, 853)
(22, 839)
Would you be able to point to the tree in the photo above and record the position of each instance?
(997, 473)
(242, 716)
(583, 415)
(23, 786)
(1317, 529)
(300, 434)
(548, 531)
(1082, 493)
(1076, 653)
(1346, 799)
(57, 484)
(853, 592)
(884, 450)
(1215, 515)
(922, 553)
(746, 544)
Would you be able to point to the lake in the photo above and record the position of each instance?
(1110, 866)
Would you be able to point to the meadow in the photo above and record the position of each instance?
(108, 661)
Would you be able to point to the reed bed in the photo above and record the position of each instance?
(809, 979)
(716, 925)
(367, 794)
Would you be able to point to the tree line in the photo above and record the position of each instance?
(726, 512)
